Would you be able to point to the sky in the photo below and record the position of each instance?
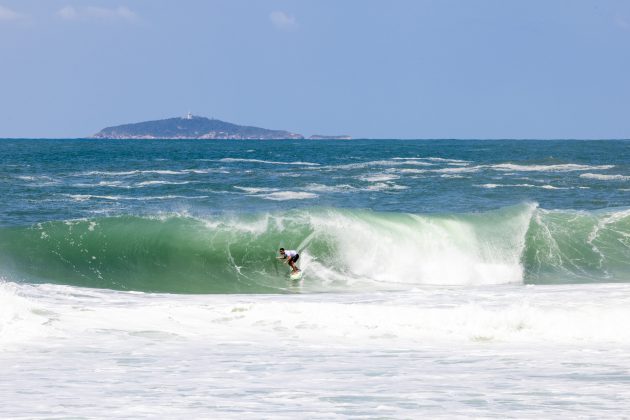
(366, 68)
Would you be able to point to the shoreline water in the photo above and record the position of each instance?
(509, 351)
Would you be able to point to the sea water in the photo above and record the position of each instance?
(441, 279)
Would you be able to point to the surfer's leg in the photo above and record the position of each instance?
(292, 261)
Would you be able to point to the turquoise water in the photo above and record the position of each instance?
(208, 216)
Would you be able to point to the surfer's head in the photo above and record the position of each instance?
(282, 251)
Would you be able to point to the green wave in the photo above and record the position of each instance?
(340, 250)
(578, 247)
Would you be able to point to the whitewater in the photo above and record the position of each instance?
(441, 279)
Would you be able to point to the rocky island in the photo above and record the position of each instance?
(192, 127)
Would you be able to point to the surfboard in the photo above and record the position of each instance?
(296, 276)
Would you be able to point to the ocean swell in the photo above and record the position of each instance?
(341, 250)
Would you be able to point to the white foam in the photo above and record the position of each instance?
(568, 167)
(388, 163)
(19, 320)
(464, 168)
(557, 314)
(85, 197)
(329, 188)
(255, 190)
(452, 176)
(125, 173)
(384, 186)
(289, 195)
(161, 182)
(152, 172)
(38, 180)
(402, 161)
(111, 184)
(277, 195)
(436, 159)
(458, 170)
(271, 162)
(378, 177)
(550, 352)
(605, 177)
(421, 250)
(412, 171)
(452, 161)
(255, 226)
(545, 187)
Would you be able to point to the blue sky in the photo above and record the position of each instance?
(378, 69)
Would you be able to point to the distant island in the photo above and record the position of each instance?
(195, 127)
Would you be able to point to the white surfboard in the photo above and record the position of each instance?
(296, 276)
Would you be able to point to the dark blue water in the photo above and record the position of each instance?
(63, 179)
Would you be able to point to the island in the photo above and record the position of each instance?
(192, 127)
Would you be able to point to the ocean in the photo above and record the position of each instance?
(442, 279)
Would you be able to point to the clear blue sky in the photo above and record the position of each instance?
(368, 68)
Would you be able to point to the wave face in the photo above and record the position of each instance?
(578, 247)
(340, 250)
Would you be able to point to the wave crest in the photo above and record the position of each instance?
(340, 250)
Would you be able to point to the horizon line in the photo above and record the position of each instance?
(352, 139)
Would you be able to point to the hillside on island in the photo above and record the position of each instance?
(191, 127)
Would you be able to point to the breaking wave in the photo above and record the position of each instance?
(340, 250)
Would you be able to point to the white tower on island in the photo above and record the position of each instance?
(188, 116)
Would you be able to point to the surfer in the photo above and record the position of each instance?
(291, 257)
